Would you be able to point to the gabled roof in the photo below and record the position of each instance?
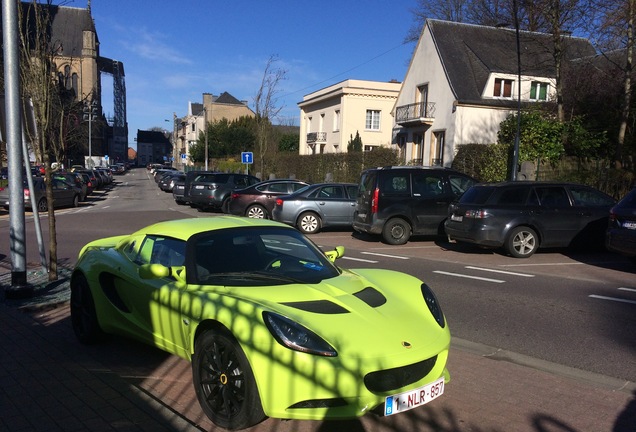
(226, 98)
(470, 53)
(67, 26)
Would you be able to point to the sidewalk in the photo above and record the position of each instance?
(52, 383)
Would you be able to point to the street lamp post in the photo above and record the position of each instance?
(90, 110)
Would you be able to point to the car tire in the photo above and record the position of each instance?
(256, 212)
(43, 205)
(309, 223)
(396, 231)
(522, 242)
(76, 200)
(224, 381)
(83, 313)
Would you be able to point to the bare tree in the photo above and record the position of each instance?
(614, 30)
(266, 106)
(40, 85)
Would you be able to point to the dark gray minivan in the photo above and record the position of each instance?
(398, 202)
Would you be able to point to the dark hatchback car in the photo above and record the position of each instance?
(211, 191)
(317, 206)
(257, 201)
(522, 217)
(398, 202)
(621, 231)
(65, 194)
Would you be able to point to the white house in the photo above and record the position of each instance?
(463, 80)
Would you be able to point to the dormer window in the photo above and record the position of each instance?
(539, 91)
(503, 88)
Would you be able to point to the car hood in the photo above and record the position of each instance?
(362, 313)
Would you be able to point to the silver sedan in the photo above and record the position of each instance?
(317, 206)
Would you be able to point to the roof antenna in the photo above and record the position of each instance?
(88, 6)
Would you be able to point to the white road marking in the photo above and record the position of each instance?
(385, 255)
(499, 271)
(627, 289)
(468, 277)
(358, 259)
(612, 299)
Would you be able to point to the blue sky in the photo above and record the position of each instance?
(174, 51)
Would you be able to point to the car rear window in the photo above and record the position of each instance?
(477, 195)
(212, 178)
(513, 196)
(367, 181)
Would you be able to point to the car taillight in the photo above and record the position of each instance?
(279, 202)
(374, 200)
(27, 194)
(476, 214)
(235, 196)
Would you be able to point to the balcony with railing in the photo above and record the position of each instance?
(316, 137)
(415, 114)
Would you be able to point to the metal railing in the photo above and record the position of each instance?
(313, 137)
(415, 111)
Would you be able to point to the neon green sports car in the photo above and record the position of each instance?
(271, 325)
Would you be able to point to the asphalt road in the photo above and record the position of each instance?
(573, 308)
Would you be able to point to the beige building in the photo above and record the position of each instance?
(213, 108)
(331, 117)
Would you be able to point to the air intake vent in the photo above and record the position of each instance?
(318, 306)
(371, 296)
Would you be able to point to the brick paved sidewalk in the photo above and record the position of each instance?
(52, 383)
(49, 382)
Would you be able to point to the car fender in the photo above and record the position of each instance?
(521, 221)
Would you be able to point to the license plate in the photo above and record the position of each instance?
(457, 218)
(414, 398)
(629, 225)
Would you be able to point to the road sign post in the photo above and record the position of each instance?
(247, 158)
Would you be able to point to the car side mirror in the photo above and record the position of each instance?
(159, 271)
(333, 255)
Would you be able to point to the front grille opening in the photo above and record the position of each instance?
(319, 403)
(391, 379)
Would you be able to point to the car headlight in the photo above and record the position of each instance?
(433, 305)
(297, 337)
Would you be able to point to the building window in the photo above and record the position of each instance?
(539, 91)
(437, 149)
(336, 120)
(373, 120)
(503, 88)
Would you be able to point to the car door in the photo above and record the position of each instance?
(334, 205)
(154, 304)
(592, 208)
(429, 205)
(558, 219)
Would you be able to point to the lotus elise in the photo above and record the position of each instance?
(272, 326)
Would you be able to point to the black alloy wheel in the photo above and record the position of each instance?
(224, 382)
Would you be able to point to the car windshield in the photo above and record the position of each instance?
(257, 256)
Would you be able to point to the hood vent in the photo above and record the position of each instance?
(371, 296)
(318, 306)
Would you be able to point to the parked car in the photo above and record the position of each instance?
(178, 192)
(89, 181)
(398, 202)
(256, 304)
(211, 191)
(522, 217)
(317, 206)
(258, 201)
(65, 194)
(167, 181)
(621, 231)
(95, 178)
(75, 178)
